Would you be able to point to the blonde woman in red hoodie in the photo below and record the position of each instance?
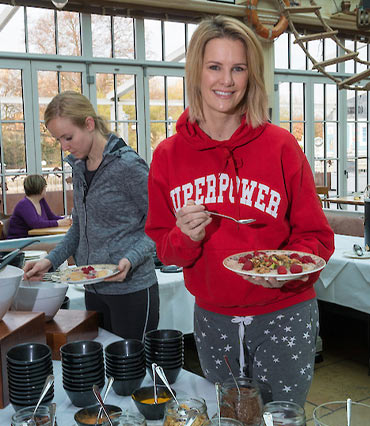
(226, 157)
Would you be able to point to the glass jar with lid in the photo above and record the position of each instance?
(243, 404)
(23, 415)
(285, 413)
(176, 415)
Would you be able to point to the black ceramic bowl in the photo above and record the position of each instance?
(81, 348)
(163, 350)
(31, 372)
(164, 335)
(123, 366)
(87, 415)
(29, 393)
(126, 387)
(83, 385)
(133, 376)
(17, 405)
(124, 349)
(171, 347)
(79, 368)
(26, 382)
(28, 353)
(81, 398)
(83, 376)
(18, 261)
(163, 358)
(170, 373)
(125, 360)
(144, 401)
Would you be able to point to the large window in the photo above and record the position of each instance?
(131, 70)
(331, 125)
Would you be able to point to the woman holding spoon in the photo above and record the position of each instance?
(226, 157)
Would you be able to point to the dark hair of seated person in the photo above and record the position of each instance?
(34, 184)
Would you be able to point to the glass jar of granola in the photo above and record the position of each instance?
(243, 404)
(177, 415)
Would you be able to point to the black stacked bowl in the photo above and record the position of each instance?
(28, 366)
(125, 362)
(82, 367)
(166, 349)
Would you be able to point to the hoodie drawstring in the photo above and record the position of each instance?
(242, 321)
(235, 163)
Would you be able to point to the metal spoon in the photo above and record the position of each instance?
(52, 412)
(107, 389)
(231, 372)
(48, 382)
(218, 387)
(356, 248)
(192, 417)
(162, 376)
(95, 389)
(267, 417)
(154, 365)
(240, 221)
(349, 409)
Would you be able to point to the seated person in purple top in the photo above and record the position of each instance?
(33, 210)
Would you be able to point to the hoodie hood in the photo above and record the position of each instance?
(226, 150)
(199, 140)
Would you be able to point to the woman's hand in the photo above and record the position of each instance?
(66, 221)
(192, 220)
(35, 271)
(270, 282)
(124, 266)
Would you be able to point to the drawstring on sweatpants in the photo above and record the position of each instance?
(242, 321)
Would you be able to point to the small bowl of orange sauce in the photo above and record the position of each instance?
(145, 403)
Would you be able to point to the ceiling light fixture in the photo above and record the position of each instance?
(59, 4)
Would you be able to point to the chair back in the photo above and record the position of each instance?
(323, 193)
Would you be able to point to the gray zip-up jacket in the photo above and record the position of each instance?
(109, 218)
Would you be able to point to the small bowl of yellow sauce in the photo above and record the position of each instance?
(145, 403)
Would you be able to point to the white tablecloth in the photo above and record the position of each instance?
(186, 383)
(346, 281)
(176, 303)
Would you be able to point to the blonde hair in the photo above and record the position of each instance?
(254, 103)
(34, 184)
(77, 108)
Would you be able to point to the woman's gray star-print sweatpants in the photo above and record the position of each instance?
(276, 349)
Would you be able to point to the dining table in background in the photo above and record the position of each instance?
(53, 230)
(346, 280)
(176, 304)
(352, 200)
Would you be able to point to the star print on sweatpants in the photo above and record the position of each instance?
(276, 349)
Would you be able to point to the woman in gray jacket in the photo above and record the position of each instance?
(109, 214)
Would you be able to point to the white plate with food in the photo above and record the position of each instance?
(353, 255)
(87, 274)
(283, 265)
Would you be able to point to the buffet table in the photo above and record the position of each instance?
(346, 281)
(176, 303)
(186, 383)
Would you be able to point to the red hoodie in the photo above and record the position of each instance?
(258, 173)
